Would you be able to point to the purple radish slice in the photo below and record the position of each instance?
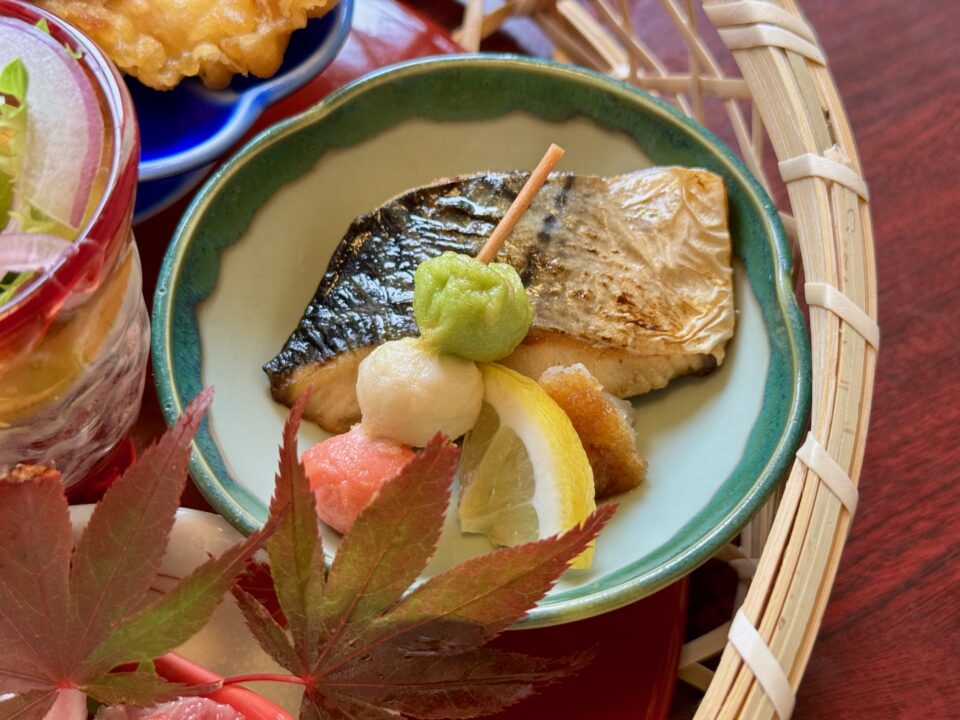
(38, 252)
(65, 131)
(26, 252)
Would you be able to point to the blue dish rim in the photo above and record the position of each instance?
(253, 102)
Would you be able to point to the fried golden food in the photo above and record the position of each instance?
(604, 424)
(162, 41)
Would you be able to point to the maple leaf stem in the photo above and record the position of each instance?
(264, 677)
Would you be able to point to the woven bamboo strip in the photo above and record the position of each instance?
(833, 228)
(618, 27)
(473, 24)
(704, 58)
(796, 103)
(626, 25)
(758, 138)
(696, 91)
(732, 680)
(621, 26)
(490, 23)
(582, 24)
(706, 646)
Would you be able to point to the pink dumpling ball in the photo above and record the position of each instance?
(346, 471)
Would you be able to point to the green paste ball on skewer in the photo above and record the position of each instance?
(474, 308)
(469, 308)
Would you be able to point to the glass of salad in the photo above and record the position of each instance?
(74, 331)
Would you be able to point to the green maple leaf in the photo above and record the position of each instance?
(366, 651)
(69, 615)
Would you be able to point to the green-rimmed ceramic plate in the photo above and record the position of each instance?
(252, 247)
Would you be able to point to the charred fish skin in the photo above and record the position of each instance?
(629, 274)
(366, 295)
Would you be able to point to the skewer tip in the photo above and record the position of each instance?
(520, 204)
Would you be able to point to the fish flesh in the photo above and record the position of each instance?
(629, 275)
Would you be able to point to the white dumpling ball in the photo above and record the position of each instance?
(408, 392)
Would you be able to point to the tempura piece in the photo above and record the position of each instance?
(162, 41)
(604, 424)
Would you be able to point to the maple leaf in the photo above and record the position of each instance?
(70, 615)
(365, 646)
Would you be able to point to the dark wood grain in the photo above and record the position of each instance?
(890, 641)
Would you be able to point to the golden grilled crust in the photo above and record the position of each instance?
(162, 41)
(639, 262)
(605, 430)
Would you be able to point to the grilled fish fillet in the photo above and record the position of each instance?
(629, 275)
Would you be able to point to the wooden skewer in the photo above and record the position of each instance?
(520, 204)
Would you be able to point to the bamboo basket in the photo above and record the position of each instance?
(785, 97)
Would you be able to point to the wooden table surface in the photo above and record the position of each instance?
(890, 642)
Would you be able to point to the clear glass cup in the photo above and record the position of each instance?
(74, 342)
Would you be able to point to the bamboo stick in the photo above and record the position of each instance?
(520, 203)
(471, 33)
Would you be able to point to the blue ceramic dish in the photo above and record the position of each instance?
(184, 130)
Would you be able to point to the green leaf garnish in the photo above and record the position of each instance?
(70, 615)
(75, 54)
(6, 198)
(74, 618)
(296, 553)
(42, 25)
(13, 118)
(32, 220)
(13, 81)
(11, 283)
(378, 654)
(13, 132)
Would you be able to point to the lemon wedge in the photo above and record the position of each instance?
(524, 474)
